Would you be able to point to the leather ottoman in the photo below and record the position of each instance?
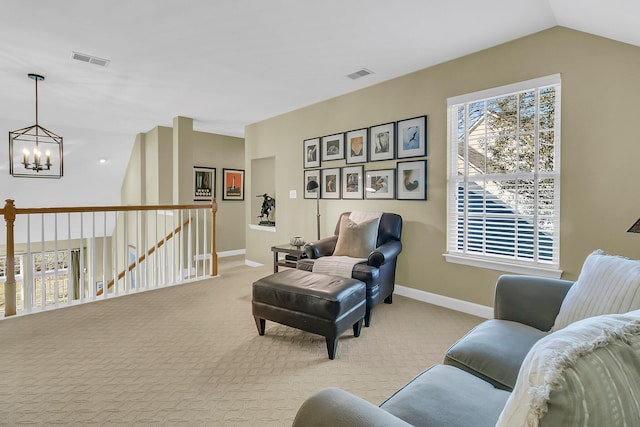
(316, 303)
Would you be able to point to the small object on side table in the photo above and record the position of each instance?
(297, 241)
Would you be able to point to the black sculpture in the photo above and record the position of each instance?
(267, 205)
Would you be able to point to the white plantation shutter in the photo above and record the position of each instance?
(504, 177)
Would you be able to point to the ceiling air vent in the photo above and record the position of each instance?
(360, 73)
(90, 59)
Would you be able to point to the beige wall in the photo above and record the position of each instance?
(158, 166)
(132, 191)
(600, 148)
(160, 171)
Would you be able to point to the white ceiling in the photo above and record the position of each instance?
(227, 64)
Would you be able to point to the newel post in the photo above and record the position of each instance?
(10, 284)
(214, 253)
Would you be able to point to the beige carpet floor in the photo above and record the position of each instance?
(191, 355)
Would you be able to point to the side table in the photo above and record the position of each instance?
(292, 255)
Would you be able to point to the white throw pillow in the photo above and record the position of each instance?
(607, 285)
(587, 374)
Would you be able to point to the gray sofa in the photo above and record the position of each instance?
(475, 385)
(524, 310)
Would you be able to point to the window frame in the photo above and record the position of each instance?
(507, 263)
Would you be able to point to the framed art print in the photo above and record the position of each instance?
(330, 183)
(333, 147)
(204, 183)
(352, 180)
(380, 184)
(412, 180)
(382, 141)
(311, 184)
(312, 153)
(412, 137)
(232, 184)
(357, 144)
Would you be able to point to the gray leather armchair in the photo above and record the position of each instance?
(379, 272)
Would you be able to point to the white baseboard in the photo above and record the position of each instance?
(239, 252)
(232, 253)
(224, 254)
(446, 302)
(252, 263)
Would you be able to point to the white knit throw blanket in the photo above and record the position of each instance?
(341, 266)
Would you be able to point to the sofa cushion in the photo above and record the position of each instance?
(606, 285)
(356, 240)
(447, 396)
(494, 351)
(586, 374)
(332, 407)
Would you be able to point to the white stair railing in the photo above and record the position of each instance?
(68, 256)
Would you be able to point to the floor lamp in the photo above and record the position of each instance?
(313, 185)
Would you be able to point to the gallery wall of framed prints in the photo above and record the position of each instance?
(403, 141)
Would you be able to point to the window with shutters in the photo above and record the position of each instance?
(504, 178)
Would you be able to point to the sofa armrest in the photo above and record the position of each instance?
(531, 300)
(332, 407)
(384, 252)
(322, 247)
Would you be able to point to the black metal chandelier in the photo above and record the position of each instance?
(34, 151)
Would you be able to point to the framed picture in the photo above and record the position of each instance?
(352, 180)
(412, 137)
(380, 184)
(412, 180)
(357, 144)
(232, 184)
(312, 153)
(330, 183)
(333, 147)
(204, 183)
(382, 141)
(311, 191)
